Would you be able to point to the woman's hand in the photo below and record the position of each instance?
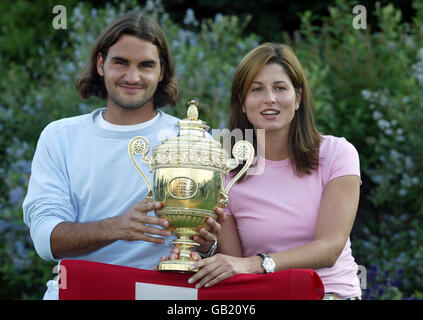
(219, 267)
(206, 238)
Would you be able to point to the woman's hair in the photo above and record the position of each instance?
(90, 83)
(304, 139)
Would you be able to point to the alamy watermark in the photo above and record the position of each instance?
(362, 276)
(360, 20)
(225, 137)
(60, 281)
(60, 20)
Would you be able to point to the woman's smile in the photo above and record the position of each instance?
(270, 114)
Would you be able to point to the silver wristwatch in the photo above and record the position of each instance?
(268, 263)
(212, 250)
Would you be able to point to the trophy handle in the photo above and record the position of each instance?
(242, 150)
(140, 146)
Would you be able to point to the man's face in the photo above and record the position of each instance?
(131, 72)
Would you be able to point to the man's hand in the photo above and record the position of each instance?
(137, 225)
(72, 239)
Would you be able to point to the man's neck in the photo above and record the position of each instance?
(120, 116)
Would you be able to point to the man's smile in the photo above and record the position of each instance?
(131, 88)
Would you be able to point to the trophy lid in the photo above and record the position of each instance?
(191, 147)
(192, 125)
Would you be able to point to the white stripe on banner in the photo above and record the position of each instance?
(149, 291)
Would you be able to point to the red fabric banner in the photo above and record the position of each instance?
(86, 280)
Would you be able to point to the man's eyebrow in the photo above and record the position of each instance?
(144, 62)
(153, 62)
(119, 59)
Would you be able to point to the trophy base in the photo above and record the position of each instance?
(176, 266)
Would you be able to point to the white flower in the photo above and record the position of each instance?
(366, 94)
(189, 18)
(377, 115)
(383, 124)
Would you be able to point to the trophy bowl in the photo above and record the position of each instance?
(188, 177)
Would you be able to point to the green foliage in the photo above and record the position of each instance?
(367, 86)
(23, 29)
(206, 61)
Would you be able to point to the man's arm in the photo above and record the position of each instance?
(70, 239)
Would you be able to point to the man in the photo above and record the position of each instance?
(84, 194)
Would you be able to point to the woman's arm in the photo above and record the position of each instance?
(334, 223)
(229, 242)
(335, 220)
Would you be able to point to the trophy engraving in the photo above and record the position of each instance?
(182, 188)
(188, 176)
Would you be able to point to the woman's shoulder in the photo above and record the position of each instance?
(338, 157)
(331, 145)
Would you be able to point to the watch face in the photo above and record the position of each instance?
(269, 265)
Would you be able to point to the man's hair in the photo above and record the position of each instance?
(90, 83)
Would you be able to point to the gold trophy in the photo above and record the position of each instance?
(188, 176)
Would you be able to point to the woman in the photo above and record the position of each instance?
(299, 212)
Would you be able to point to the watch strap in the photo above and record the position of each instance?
(265, 264)
(263, 255)
(212, 250)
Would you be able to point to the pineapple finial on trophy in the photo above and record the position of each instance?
(192, 111)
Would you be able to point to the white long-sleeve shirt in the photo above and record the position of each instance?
(81, 172)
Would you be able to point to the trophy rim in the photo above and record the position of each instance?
(182, 211)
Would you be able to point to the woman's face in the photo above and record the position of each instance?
(271, 100)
